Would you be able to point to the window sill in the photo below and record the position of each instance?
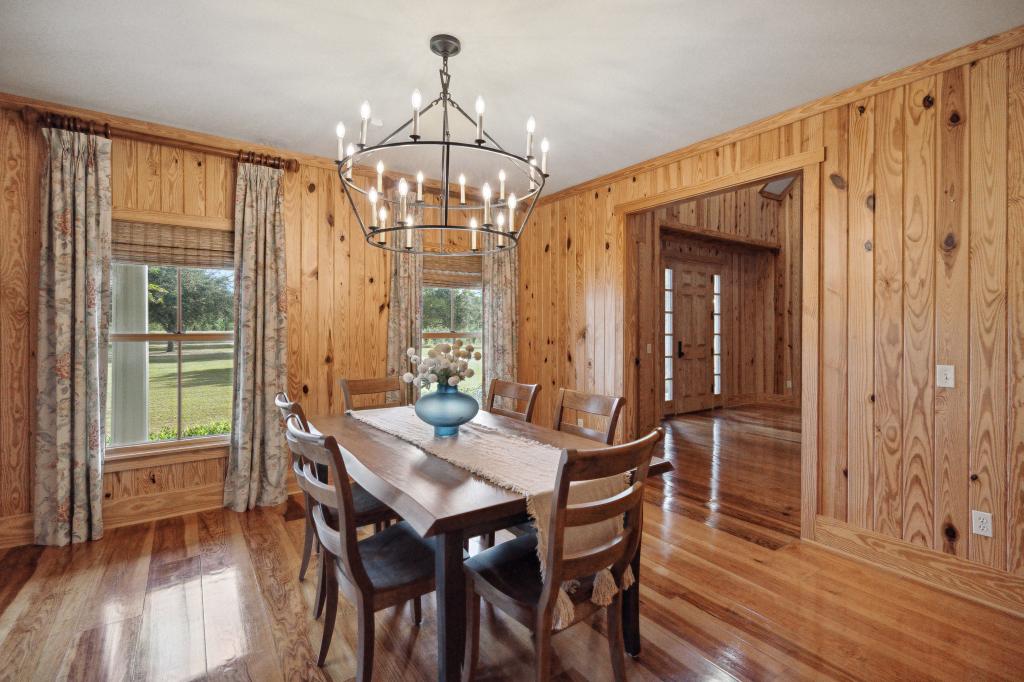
(138, 456)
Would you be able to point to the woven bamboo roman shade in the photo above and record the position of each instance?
(451, 271)
(153, 244)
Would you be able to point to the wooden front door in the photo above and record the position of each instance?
(689, 357)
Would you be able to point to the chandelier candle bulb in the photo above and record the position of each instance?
(403, 193)
(340, 132)
(479, 120)
(372, 196)
(417, 100)
(419, 186)
(531, 125)
(512, 201)
(486, 191)
(383, 221)
(380, 176)
(364, 114)
(544, 147)
(473, 227)
(350, 152)
(462, 188)
(501, 184)
(408, 232)
(501, 228)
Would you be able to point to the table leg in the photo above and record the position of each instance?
(631, 610)
(451, 605)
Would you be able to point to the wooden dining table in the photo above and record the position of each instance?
(448, 503)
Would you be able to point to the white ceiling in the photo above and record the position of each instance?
(610, 83)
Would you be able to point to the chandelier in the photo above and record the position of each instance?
(484, 211)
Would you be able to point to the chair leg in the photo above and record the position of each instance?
(542, 653)
(615, 643)
(307, 548)
(364, 653)
(472, 634)
(417, 610)
(321, 588)
(487, 540)
(331, 587)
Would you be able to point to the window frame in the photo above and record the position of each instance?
(161, 449)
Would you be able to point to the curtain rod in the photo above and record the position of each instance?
(48, 119)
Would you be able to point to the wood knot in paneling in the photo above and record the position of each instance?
(928, 102)
(949, 243)
(838, 181)
(305, 389)
(861, 109)
(954, 119)
(870, 202)
(330, 219)
(868, 245)
(547, 247)
(311, 187)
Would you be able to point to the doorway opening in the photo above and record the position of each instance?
(729, 304)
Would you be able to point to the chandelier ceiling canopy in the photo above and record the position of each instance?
(423, 190)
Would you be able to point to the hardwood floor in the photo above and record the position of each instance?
(728, 593)
(738, 470)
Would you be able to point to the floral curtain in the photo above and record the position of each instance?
(258, 459)
(499, 276)
(74, 308)
(405, 312)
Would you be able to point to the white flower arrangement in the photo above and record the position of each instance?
(446, 363)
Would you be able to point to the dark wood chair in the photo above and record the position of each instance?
(589, 403)
(368, 509)
(354, 387)
(518, 393)
(388, 568)
(509, 575)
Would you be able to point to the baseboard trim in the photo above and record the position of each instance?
(970, 580)
(16, 530)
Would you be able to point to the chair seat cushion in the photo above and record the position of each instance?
(513, 568)
(396, 556)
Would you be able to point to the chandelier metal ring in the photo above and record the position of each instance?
(391, 219)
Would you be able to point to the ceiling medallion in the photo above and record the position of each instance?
(399, 209)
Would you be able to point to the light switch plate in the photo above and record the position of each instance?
(945, 376)
(649, 349)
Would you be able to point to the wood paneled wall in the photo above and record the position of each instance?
(921, 232)
(337, 297)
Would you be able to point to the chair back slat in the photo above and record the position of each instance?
(374, 386)
(593, 560)
(314, 448)
(598, 405)
(287, 407)
(515, 392)
(629, 460)
(587, 513)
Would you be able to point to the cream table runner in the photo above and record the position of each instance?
(525, 466)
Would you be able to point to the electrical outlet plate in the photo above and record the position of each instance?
(579, 422)
(981, 523)
(945, 376)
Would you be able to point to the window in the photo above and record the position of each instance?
(171, 353)
(669, 342)
(456, 313)
(717, 320)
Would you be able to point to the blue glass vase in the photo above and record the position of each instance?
(446, 409)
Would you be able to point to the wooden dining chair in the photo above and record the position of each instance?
(509, 575)
(368, 509)
(516, 394)
(354, 387)
(589, 403)
(386, 569)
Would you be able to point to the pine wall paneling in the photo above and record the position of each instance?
(920, 208)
